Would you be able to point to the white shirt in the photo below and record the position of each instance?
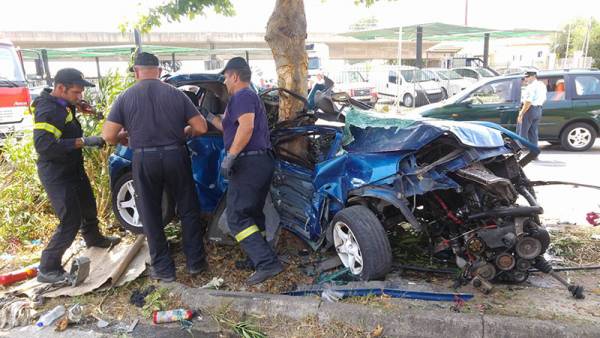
(535, 93)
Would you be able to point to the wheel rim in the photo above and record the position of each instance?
(579, 137)
(126, 205)
(347, 248)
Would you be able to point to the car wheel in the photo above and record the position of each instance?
(361, 243)
(407, 100)
(444, 93)
(125, 210)
(578, 137)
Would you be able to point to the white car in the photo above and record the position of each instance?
(355, 84)
(450, 81)
(412, 85)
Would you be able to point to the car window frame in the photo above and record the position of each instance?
(514, 95)
(573, 89)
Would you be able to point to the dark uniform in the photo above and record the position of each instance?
(155, 115)
(60, 168)
(250, 180)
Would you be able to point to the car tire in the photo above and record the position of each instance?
(359, 236)
(125, 210)
(407, 100)
(444, 93)
(578, 136)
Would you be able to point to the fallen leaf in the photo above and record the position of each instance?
(62, 324)
(377, 332)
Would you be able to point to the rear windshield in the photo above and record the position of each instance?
(449, 75)
(10, 68)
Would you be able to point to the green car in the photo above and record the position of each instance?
(570, 115)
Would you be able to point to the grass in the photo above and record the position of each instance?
(576, 245)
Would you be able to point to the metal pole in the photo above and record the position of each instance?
(567, 49)
(173, 62)
(419, 57)
(466, 12)
(397, 103)
(98, 68)
(46, 67)
(247, 57)
(137, 38)
(486, 49)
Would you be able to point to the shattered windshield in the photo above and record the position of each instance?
(363, 119)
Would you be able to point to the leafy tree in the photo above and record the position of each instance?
(286, 36)
(579, 29)
(364, 24)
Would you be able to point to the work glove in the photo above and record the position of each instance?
(93, 141)
(207, 114)
(227, 165)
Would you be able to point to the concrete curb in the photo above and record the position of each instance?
(404, 323)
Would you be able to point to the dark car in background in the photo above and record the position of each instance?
(571, 113)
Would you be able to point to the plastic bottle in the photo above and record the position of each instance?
(171, 316)
(49, 317)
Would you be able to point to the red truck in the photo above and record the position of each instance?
(14, 93)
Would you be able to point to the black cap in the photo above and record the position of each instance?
(144, 59)
(71, 76)
(237, 63)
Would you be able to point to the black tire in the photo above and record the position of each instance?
(444, 93)
(407, 100)
(373, 243)
(579, 136)
(125, 215)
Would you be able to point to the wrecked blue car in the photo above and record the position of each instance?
(345, 186)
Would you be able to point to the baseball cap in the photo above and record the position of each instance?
(237, 63)
(68, 76)
(144, 59)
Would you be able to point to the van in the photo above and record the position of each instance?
(411, 85)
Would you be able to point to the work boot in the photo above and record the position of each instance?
(52, 276)
(103, 242)
(245, 264)
(262, 275)
(162, 278)
(200, 268)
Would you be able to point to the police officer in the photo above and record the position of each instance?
(533, 97)
(58, 141)
(154, 115)
(249, 166)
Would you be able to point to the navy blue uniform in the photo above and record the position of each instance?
(60, 168)
(251, 178)
(155, 115)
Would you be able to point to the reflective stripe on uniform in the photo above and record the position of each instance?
(246, 232)
(69, 116)
(49, 128)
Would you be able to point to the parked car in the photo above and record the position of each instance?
(570, 115)
(450, 81)
(515, 70)
(355, 84)
(346, 187)
(412, 85)
(474, 74)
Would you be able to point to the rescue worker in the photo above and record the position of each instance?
(532, 98)
(58, 139)
(154, 115)
(249, 166)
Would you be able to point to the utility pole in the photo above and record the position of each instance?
(586, 43)
(137, 37)
(466, 12)
(568, 42)
(397, 103)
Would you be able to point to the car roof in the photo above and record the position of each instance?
(555, 72)
(181, 79)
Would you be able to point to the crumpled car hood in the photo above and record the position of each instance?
(374, 132)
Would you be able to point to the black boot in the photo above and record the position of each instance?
(262, 275)
(102, 241)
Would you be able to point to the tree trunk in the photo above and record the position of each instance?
(286, 35)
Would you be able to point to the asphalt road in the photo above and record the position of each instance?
(563, 203)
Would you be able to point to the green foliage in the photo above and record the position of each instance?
(155, 301)
(243, 328)
(579, 29)
(175, 10)
(25, 212)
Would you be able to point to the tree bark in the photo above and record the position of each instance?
(286, 35)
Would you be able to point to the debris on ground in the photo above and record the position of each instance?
(51, 316)
(170, 316)
(214, 283)
(14, 312)
(330, 295)
(377, 331)
(138, 296)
